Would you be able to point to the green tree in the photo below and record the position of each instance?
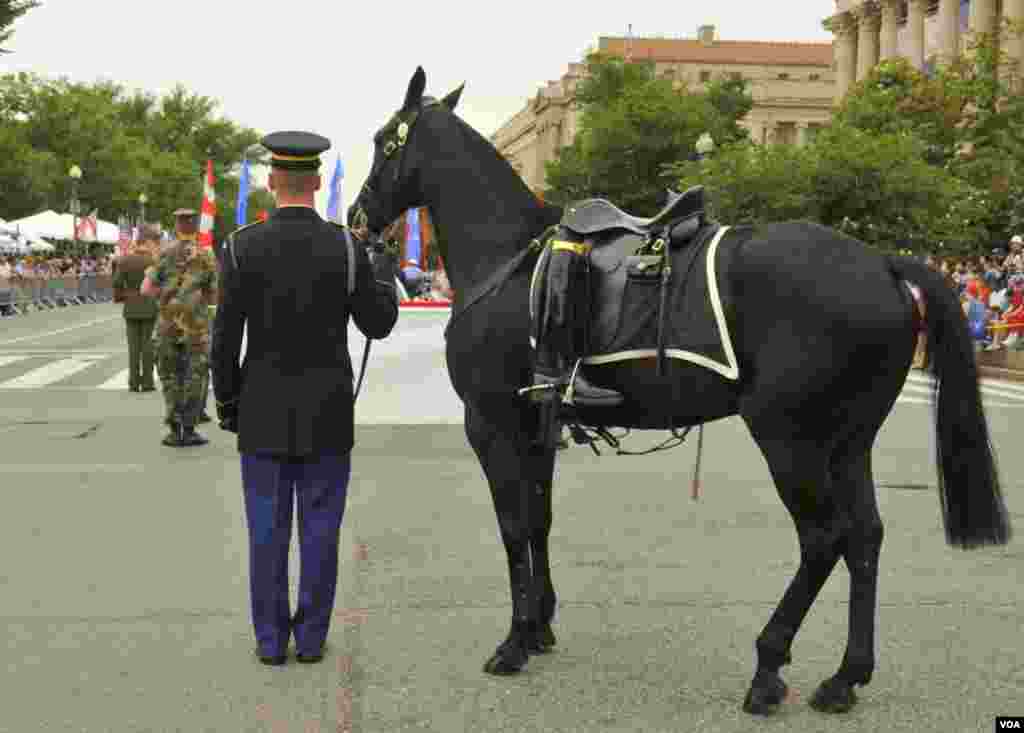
(10, 11)
(969, 119)
(632, 122)
(875, 187)
(127, 143)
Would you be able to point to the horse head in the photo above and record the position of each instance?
(401, 149)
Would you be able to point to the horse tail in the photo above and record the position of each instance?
(973, 510)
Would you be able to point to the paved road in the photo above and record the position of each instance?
(125, 590)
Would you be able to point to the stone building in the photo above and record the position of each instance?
(924, 31)
(792, 84)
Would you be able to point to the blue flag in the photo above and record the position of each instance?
(412, 240)
(243, 195)
(334, 203)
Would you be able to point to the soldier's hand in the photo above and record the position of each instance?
(361, 234)
(384, 269)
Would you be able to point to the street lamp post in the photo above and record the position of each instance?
(705, 146)
(76, 175)
(142, 210)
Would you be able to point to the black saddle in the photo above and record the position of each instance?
(594, 216)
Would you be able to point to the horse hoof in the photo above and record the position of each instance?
(507, 660)
(542, 640)
(834, 696)
(764, 698)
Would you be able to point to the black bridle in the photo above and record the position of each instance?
(396, 144)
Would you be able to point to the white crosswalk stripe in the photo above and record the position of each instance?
(5, 360)
(49, 373)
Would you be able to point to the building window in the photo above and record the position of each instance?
(736, 76)
(785, 133)
(783, 76)
(902, 13)
(705, 77)
(933, 7)
(815, 77)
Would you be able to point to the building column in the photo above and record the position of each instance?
(868, 22)
(949, 30)
(801, 134)
(915, 31)
(844, 26)
(539, 157)
(1013, 44)
(983, 16)
(890, 39)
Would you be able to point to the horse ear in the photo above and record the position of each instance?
(414, 95)
(453, 99)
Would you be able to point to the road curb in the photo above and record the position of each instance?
(1010, 375)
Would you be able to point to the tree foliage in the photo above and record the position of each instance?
(910, 161)
(631, 123)
(875, 187)
(10, 11)
(126, 143)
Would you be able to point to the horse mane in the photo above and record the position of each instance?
(506, 183)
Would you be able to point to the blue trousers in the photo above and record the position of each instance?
(271, 485)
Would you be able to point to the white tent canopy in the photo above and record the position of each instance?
(62, 226)
(11, 245)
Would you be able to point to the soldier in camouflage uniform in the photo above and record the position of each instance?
(184, 281)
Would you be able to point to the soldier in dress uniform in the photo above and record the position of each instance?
(291, 403)
(140, 311)
(184, 282)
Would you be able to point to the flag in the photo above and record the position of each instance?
(334, 203)
(209, 210)
(241, 209)
(124, 236)
(86, 228)
(412, 236)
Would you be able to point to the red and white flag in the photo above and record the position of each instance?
(209, 210)
(87, 227)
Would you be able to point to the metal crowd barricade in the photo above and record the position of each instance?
(21, 295)
(7, 298)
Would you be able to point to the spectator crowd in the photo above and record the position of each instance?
(44, 267)
(991, 290)
(44, 281)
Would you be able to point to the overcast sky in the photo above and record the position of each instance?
(341, 68)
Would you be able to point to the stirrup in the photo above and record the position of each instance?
(541, 393)
(570, 391)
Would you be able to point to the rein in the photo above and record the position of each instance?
(502, 274)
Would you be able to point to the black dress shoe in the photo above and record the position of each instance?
(192, 438)
(203, 417)
(147, 388)
(173, 438)
(310, 658)
(275, 660)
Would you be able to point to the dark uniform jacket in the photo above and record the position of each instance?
(289, 288)
(131, 270)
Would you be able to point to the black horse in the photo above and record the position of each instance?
(824, 331)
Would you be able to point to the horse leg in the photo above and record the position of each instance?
(500, 449)
(861, 550)
(799, 468)
(542, 461)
